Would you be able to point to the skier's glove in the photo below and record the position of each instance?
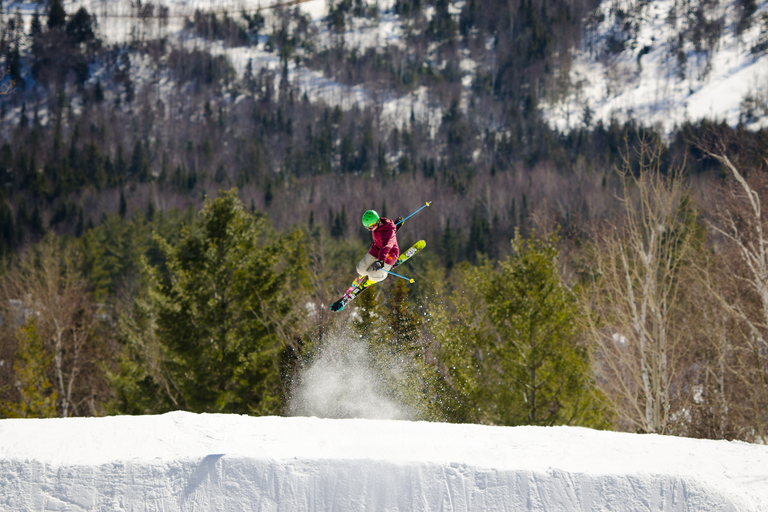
(398, 224)
(377, 265)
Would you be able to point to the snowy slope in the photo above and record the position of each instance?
(661, 78)
(183, 461)
(117, 24)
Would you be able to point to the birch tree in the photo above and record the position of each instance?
(741, 230)
(48, 284)
(635, 304)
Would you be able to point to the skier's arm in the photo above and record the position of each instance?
(398, 224)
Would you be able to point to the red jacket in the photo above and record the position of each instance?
(384, 246)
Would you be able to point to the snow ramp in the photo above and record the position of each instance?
(215, 462)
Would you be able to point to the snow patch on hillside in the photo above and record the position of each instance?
(659, 81)
(181, 461)
(117, 24)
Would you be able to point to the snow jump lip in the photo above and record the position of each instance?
(179, 461)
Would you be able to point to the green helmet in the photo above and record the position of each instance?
(370, 218)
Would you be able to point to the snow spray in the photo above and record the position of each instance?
(343, 381)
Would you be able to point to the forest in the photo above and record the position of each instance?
(175, 241)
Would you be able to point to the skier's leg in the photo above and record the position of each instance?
(378, 275)
(365, 263)
(364, 269)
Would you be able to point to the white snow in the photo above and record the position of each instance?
(182, 461)
(117, 24)
(654, 88)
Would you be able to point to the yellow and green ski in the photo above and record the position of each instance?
(362, 282)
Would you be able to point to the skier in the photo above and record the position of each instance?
(381, 257)
(384, 251)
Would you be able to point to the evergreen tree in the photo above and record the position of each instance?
(139, 168)
(57, 16)
(368, 320)
(442, 25)
(480, 239)
(14, 58)
(219, 304)
(119, 169)
(98, 92)
(94, 166)
(37, 397)
(456, 324)
(36, 26)
(538, 373)
(7, 229)
(403, 324)
(449, 246)
(524, 222)
(269, 194)
(74, 156)
(142, 383)
(340, 224)
(80, 26)
(399, 354)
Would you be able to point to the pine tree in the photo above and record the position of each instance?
(538, 373)
(80, 26)
(120, 168)
(400, 355)
(14, 58)
(94, 166)
(368, 318)
(455, 322)
(122, 209)
(480, 238)
(449, 246)
(221, 305)
(98, 92)
(139, 168)
(340, 224)
(442, 25)
(403, 324)
(36, 26)
(37, 397)
(7, 230)
(57, 16)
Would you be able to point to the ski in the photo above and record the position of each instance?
(362, 282)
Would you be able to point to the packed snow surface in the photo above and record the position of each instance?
(182, 461)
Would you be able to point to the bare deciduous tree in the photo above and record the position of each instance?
(634, 312)
(47, 283)
(742, 292)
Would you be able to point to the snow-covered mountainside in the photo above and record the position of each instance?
(660, 62)
(181, 461)
(118, 22)
(665, 62)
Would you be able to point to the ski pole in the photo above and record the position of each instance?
(414, 213)
(398, 275)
